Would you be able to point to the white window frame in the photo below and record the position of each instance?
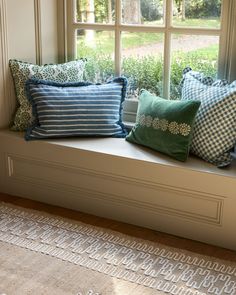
(227, 39)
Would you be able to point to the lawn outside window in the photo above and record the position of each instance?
(151, 42)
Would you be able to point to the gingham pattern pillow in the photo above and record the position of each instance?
(214, 134)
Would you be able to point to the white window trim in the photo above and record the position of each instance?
(227, 58)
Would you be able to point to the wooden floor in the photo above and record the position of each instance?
(125, 228)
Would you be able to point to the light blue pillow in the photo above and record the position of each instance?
(214, 135)
(76, 109)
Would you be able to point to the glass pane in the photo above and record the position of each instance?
(98, 49)
(142, 12)
(95, 11)
(198, 52)
(142, 61)
(197, 13)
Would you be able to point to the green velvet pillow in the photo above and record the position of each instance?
(164, 125)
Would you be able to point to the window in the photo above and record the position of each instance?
(151, 41)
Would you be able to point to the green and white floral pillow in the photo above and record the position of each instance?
(22, 71)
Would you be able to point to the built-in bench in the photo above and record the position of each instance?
(112, 178)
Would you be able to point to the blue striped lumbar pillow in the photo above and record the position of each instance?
(76, 109)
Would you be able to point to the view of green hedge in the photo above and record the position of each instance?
(147, 72)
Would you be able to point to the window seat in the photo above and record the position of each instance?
(113, 178)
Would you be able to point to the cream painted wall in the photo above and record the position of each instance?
(21, 29)
(49, 31)
(28, 32)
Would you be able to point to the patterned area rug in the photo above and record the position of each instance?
(46, 254)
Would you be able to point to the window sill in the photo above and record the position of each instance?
(128, 125)
(119, 147)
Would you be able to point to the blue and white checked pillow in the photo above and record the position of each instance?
(214, 134)
(76, 109)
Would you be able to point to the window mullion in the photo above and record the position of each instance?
(227, 40)
(71, 32)
(167, 49)
(118, 38)
(94, 26)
